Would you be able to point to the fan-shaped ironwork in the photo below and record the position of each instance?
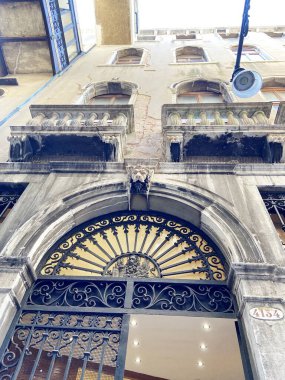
(138, 245)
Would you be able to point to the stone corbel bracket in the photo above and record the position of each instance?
(139, 180)
(174, 142)
(280, 116)
(277, 145)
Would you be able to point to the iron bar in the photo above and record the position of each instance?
(70, 356)
(166, 240)
(23, 353)
(80, 245)
(32, 374)
(76, 256)
(104, 345)
(101, 249)
(87, 354)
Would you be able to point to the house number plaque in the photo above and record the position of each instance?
(266, 313)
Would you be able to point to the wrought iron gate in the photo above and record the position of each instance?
(76, 328)
(70, 327)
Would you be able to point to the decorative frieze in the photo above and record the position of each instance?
(216, 114)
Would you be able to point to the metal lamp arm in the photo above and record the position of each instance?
(243, 34)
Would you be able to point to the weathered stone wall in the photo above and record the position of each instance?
(24, 20)
(113, 18)
(224, 202)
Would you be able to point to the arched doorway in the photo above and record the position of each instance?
(75, 320)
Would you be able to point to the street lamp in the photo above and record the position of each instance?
(245, 83)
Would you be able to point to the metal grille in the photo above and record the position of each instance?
(56, 345)
(137, 245)
(275, 205)
(9, 195)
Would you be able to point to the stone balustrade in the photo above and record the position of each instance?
(205, 115)
(77, 116)
(232, 130)
(55, 132)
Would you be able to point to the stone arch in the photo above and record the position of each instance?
(201, 84)
(106, 88)
(204, 209)
(273, 82)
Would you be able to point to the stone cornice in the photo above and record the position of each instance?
(256, 271)
(163, 167)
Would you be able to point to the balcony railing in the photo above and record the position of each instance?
(72, 132)
(242, 132)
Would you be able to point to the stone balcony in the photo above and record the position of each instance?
(72, 132)
(240, 132)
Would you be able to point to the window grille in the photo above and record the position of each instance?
(9, 195)
(275, 205)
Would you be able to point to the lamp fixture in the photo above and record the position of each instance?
(245, 83)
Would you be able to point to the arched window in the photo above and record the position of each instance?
(137, 245)
(251, 53)
(188, 54)
(131, 56)
(200, 91)
(273, 94)
(110, 93)
(119, 291)
(273, 90)
(106, 277)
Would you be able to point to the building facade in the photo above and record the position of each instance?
(142, 206)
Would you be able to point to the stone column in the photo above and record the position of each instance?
(261, 309)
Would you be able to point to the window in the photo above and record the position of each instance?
(110, 99)
(190, 36)
(275, 34)
(225, 35)
(9, 195)
(275, 205)
(190, 54)
(199, 97)
(274, 94)
(200, 91)
(67, 15)
(110, 93)
(128, 57)
(250, 53)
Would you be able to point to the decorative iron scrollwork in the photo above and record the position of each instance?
(161, 246)
(182, 297)
(78, 293)
(48, 343)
